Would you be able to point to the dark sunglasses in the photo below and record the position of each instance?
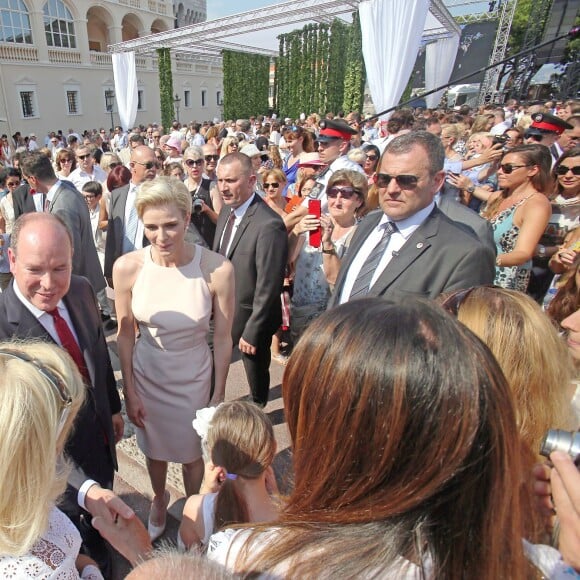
(372, 157)
(114, 164)
(192, 162)
(508, 168)
(563, 169)
(148, 165)
(273, 184)
(81, 157)
(13, 183)
(345, 192)
(210, 158)
(403, 181)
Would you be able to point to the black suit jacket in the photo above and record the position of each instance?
(440, 256)
(91, 445)
(22, 200)
(258, 251)
(115, 229)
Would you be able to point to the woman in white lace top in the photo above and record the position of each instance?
(40, 394)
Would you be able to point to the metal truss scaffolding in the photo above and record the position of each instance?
(488, 91)
(205, 40)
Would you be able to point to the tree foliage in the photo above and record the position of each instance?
(165, 86)
(320, 68)
(246, 84)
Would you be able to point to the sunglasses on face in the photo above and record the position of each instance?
(345, 192)
(148, 165)
(66, 161)
(210, 158)
(273, 185)
(192, 162)
(83, 157)
(563, 169)
(114, 164)
(403, 181)
(508, 168)
(372, 157)
(12, 183)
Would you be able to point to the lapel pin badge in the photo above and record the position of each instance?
(419, 245)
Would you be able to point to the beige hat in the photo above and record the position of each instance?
(250, 150)
(309, 159)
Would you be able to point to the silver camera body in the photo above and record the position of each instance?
(560, 440)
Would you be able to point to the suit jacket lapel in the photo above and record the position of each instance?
(417, 244)
(22, 320)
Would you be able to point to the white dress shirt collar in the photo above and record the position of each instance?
(36, 312)
(408, 225)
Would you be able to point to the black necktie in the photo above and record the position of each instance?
(362, 283)
(227, 233)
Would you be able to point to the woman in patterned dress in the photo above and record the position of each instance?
(519, 212)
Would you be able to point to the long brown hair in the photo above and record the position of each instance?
(403, 447)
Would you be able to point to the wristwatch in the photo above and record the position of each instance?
(470, 189)
(329, 251)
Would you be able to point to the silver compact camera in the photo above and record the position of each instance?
(560, 440)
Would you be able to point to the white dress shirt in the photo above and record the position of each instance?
(239, 212)
(131, 196)
(405, 229)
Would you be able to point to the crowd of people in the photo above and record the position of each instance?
(419, 280)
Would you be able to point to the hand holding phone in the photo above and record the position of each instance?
(315, 236)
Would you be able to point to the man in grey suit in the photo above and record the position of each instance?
(125, 230)
(411, 248)
(62, 199)
(464, 215)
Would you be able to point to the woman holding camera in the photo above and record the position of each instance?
(171, 289)
(206, 201)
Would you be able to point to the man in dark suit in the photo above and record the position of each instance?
(62, 199)
(45, 302)
(254, 238)
(411, 248)
(125, 230)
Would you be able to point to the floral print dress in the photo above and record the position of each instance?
(505, 234)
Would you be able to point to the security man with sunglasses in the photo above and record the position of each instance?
(409, 247)
(125, 229)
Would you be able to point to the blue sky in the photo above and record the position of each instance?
(220, 8)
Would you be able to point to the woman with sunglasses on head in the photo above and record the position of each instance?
(316, 268)
(298, 141)
(41, 392)
(557, 249)
(519, 212)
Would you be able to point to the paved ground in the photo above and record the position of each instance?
(132, 481)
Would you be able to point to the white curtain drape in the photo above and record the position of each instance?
(439, 62)
(125, 76)
(391, 36)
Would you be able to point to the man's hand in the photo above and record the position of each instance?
(118, 426)
(104, 503)
(493, 153)
(127, 536)
(246, 347)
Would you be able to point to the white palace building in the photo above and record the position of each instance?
(55, 71)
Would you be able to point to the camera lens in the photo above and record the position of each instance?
(560, 440)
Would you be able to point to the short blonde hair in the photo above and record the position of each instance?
(163, 191)
(357, 156)
(30, 438)
(108, 158)
(531, 354)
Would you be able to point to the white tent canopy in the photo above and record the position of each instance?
(256, 31)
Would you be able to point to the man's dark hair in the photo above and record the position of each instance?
(429, 142)
(37, 165)
(137, 138)
(93, 187)
(242, 159)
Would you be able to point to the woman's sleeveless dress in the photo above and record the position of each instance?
(172, 362)
(505, 234)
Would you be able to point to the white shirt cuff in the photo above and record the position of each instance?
(82, 494)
